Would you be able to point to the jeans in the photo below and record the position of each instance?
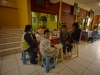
(32, 54)
(66, 46)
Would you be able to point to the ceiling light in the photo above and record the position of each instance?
(99, 4)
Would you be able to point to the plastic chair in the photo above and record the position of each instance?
(24, 59)
(47, 64)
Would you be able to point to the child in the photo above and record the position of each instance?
(65, 40)
(46, 48)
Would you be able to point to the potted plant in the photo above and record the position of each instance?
(43, 19)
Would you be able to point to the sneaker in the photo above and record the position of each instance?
(33, 62)
(69, 54)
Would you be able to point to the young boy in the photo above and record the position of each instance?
(65, 39)
(46, 48)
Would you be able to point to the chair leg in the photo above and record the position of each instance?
(23, 58)
(47, 65)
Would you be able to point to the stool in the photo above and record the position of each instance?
(75, 49)
(59, 47)
(47, 64)
(24, 59)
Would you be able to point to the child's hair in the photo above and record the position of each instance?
(45, 31)
(64, 26)
(27, 28)
(76, 25)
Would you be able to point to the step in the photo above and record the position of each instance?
(10, 31)
(12, 39)
(10, 45)
(9, 51)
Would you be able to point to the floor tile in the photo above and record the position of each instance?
(27, 69)
(90, 54)
(38, 66)
(82, 62)
(87, 58)
(59, 67)
(13, 72)
(67, 61)
(87, 72)
(94, 69)
(8, 67)
(67, 71)
(20, 63)
(0, 60)
(76, 68)
(18, 56)
(42, 71)
(96, 62)
(34, 73)
(98, 57)
(8, 59)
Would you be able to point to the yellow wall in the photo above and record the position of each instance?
(24, 12)
(35, 24)
(8, 14)
(8, 17)
(15, 13)
(50, 24)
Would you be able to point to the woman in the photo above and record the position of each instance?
(28, 43)
(76, 34)
(46, 48)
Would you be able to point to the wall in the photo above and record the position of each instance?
(66, 15)
(8, 14)
(50, 24)
(35, 24)
(48, 7)
(96, 20)
(24, 12)
(15, 13)
(8, 17)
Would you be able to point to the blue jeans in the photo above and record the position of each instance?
(32, 54)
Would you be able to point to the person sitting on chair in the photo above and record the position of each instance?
(76, 34)
(28, 43)
(46, 48)
(65, 39)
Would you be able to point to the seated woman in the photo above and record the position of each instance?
(46, 48)
(76, 33)
(28, 43)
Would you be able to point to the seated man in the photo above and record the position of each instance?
(46, 48)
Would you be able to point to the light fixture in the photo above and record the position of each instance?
(99, 4)
(4, 1)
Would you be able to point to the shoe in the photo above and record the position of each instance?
(33, 62)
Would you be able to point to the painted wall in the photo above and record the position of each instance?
(8, 18)
(24, 14)
(35, 22)
(50, 24)
(8, 14)
(15, 13)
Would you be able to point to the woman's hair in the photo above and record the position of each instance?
(27, 28)
(64, 26)
(76, 25)
(45, 31)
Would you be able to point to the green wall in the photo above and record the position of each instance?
(50, 24)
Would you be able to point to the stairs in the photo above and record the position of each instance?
(10, 41)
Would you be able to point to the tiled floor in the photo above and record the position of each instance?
(88, 63)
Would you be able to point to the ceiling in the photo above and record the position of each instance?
(92, 4)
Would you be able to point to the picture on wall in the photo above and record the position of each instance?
(52, 17)
(34, 19)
